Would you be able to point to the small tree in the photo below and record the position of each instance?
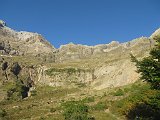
(149, 67)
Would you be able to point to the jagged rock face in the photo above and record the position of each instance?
(23, 43)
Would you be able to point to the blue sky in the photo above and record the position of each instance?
(88, 22)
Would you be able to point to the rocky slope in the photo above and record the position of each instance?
(101, 66)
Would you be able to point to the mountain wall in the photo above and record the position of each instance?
(101, 66)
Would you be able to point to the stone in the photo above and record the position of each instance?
(2, 23)
(13, 52)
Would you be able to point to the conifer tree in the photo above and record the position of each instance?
(149, 67)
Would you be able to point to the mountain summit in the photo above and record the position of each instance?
(23, 43)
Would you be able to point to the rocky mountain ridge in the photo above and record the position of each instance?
(27, 43)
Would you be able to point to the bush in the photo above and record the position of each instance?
(75, 110)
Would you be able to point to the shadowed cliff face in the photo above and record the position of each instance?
(101, 66)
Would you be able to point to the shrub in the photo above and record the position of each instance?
(3, 113)
(75, 110)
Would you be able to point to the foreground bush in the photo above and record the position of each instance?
(75, 110)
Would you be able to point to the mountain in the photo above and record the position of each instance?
(101, 66)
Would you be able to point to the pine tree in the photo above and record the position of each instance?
(149, 67)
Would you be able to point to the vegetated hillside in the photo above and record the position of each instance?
(31, 67)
